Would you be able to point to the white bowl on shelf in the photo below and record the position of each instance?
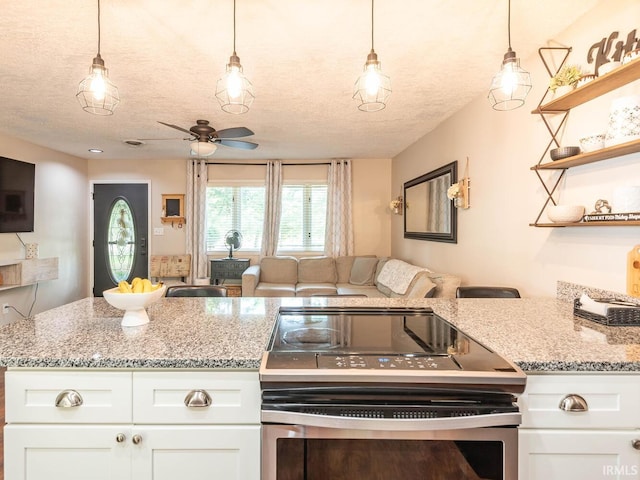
(133, 304)
(565, 213)
(591, 143)
(607, 67)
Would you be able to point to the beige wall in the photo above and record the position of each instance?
(496, 245)
(371, 196)
(61, 203)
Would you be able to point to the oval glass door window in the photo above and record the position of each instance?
(121, 241)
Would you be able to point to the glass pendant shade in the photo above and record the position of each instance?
(234, 91)
(96, 93)
(511, 84)
(203, 149)
(372, 88)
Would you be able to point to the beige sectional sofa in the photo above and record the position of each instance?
(282, 276)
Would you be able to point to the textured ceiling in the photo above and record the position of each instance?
(302, 57)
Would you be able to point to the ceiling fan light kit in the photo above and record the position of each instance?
(372, 88)
(512, 83)
(203, 148)
(234, 91)
(96, 93)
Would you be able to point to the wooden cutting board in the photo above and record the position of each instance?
(633, 272)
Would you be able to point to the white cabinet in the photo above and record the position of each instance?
(132, 425)
(599, 440)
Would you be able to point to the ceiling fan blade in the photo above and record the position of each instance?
(237, 144)
(233, 132)
(179, 128)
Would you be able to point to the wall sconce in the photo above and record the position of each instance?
(396, 205)
(459, 192)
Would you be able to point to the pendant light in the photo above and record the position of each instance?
(511, 84)
(372, 88)
(96, 93)
(234, 91)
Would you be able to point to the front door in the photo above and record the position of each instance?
(120, 229)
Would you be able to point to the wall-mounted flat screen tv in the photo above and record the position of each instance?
(17, 192)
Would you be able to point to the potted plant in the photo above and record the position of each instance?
(566, 79)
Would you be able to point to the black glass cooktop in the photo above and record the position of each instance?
(357, 338)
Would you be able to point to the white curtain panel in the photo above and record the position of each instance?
(272, 208)
(196, 200)
(339, 229)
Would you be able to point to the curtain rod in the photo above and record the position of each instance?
(264, 164)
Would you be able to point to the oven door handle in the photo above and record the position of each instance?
(409, 424)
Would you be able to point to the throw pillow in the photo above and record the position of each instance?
(363, 270)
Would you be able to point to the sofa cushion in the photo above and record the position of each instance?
(317, 270)
(446, 284)
(343, 268)
(279, 270)
(369, 291)
(309, 289)
(363, 270)
(275, 290)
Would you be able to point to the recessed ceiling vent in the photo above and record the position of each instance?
(134, 143)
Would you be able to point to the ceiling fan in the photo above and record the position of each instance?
(205, 139)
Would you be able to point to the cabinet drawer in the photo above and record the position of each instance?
(31, 397)
(613, 401)
(159, 397)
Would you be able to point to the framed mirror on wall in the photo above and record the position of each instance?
(428, 213)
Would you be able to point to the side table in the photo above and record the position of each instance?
(223, 269)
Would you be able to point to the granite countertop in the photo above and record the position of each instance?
(537, 334)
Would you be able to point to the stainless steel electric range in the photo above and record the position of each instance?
(337, 380)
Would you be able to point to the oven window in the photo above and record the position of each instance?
(379, 459)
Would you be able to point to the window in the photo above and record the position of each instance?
(235, 208)
(303, 218)
(241, 207)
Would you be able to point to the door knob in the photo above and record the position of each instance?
(573, 403)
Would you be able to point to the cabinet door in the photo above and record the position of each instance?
(578, 454)
(214, 453)
(87, 452)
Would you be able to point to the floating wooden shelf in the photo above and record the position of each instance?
(19, 273)
(617, 78)
(591, 157)
(606, 83)
(622, 223)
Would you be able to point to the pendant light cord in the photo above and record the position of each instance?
(98, 27)
(371, 25)
(234, 27)
(509, 23)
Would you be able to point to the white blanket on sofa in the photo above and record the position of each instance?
(397, 275)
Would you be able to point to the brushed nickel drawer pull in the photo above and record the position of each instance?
(573, 403)
(197, 398)
(68, 399)
(120, 437)
(635, 443)
(136, 439)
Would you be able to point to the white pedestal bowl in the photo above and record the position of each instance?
(133, 304)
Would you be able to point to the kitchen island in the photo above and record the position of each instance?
(219, 333)
(136, 381)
